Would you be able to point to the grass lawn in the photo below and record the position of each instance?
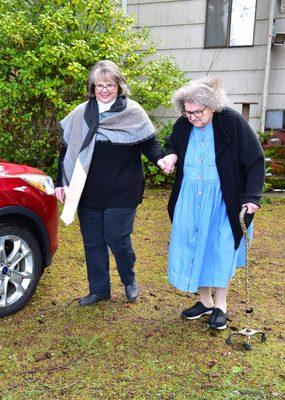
(54, 349)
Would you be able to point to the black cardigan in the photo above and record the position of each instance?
(239, 160)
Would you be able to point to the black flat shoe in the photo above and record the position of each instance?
(196, 311)
(132, 291)
(91, 299)
(218, 319)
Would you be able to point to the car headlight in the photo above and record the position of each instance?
(42, 182)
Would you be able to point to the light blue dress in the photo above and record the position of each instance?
(201, 251)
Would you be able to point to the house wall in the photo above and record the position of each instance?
(276, 99)
(177, 28)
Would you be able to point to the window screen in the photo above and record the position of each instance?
(230, 23)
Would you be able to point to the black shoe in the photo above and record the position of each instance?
(218, 319)
(196, 311)
(92, 299)
(132, 291)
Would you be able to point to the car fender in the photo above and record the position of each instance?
(37, 227)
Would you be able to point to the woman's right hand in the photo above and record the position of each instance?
(169, 163)
(59, 192)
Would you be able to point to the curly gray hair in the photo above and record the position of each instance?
(106, 69)
(207, 91)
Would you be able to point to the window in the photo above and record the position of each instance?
(275, 119)
(230, 23)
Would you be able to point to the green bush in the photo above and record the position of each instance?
(153, 174)
(276, 182)
(264, 136)
(46, 50)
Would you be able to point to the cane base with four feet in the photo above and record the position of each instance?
(248, 333)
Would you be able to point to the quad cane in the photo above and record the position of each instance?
(247, 332)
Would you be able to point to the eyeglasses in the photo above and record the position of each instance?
(197, 114)
(108, 87)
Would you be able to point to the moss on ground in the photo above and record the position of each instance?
(115, 350)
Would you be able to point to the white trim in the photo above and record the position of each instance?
(267, 64)
(124, 6)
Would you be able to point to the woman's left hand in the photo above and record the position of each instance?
(251, 208)
(167, 163)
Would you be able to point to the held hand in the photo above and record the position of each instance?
(167, 163)
(251, 207)
(170, 162)
(59, 192)
(167, 168)
(161, 164)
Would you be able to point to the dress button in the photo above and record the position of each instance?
(200, 193)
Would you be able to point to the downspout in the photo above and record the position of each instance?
(267, 64)
(124, 6)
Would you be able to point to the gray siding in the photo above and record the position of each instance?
(177, 29)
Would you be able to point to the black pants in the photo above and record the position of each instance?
(102, 228)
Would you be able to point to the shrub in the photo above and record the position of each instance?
(153, 174)
(46, 51)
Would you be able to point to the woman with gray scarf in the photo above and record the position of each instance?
(100, 174)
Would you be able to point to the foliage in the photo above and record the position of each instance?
(277, 152)
(276, 182)
(154, 176)
(275, 167)
(264, 136)
(267, 187)
(46, 50)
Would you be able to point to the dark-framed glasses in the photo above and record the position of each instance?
(110, 87)
(197, 113)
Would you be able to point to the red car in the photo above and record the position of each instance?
(28, 232)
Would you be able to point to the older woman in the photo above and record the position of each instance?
(100, 173)
(220, 168)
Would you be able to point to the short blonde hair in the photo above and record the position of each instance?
(207, 91)
(106, 68)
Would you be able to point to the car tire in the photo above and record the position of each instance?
(20, 267)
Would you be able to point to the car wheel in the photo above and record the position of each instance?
(20, 267)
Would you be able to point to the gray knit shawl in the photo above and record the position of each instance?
(125, 123)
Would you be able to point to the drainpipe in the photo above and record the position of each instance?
(124, 6)
(267, 63)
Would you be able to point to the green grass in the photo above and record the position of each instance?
(115, 350)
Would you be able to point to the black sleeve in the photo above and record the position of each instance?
(171, 147)
(253, 163)
(152, 150)
(62, 152)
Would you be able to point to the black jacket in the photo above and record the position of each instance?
(239, 160)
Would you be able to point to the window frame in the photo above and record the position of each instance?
(227, 46)
(275, 110)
